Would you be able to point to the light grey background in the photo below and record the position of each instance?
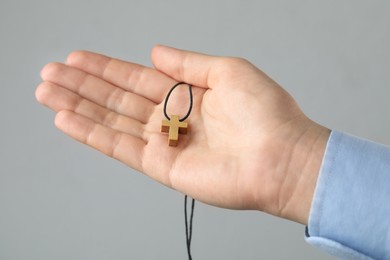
(62, 200)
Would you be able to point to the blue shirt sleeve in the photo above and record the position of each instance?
(350, 212)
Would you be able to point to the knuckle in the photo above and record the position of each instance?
(233, 65)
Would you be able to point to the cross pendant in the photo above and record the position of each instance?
(173, 127)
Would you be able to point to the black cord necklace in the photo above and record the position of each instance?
(169, 94)
(174, 125)
(189, 228)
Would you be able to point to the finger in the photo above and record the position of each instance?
(58, 98)
(99, 91)
(138, 79)
(125, 148)
(193, 68)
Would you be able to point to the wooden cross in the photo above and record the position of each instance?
(173, 127)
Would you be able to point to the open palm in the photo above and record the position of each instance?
(244, 128)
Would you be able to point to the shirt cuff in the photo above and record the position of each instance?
(350, 212)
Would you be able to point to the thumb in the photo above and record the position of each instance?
(190, 67)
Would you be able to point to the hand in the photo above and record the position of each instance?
(249, 145)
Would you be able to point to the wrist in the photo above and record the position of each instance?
(296, 192)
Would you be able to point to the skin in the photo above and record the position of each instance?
(249, 145)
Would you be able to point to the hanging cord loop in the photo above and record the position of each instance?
(169, 94)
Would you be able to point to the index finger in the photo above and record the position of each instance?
(141, 80)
